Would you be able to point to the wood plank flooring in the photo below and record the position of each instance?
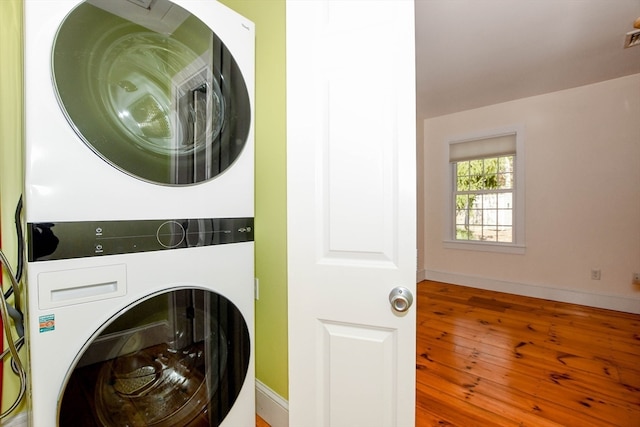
(493, 359)
(260, 422)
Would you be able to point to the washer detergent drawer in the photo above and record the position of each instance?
(82, 285)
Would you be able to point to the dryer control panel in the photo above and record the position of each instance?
(65, 240)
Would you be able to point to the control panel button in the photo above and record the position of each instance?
(170, 234)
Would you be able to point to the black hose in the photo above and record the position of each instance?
(19, 235)
(18, 220)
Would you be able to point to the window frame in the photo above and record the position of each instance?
(518, 244)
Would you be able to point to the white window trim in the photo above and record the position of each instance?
(518, 245)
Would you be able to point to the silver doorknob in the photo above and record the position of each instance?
(400, 299)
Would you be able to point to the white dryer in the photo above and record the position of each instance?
(139, 205)
(137, 109)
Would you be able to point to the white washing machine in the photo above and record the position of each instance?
(152, 339)
(139, 206)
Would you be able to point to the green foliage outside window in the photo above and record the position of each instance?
(484, 197)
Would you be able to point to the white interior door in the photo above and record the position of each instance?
(351, 211)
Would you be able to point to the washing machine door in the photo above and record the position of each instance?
(178, 358)
(151, 89)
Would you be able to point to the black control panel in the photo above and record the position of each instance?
(64, 240)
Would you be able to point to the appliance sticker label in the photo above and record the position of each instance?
(47, 323)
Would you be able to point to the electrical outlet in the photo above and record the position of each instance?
(636, 278)
(595, 274)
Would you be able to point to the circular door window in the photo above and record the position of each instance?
(151, 89)
(178, 358)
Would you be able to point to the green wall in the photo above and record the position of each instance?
(271, 204)
(270, 132)
(10, 148)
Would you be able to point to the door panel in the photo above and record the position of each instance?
(351, 211)
(366, 355)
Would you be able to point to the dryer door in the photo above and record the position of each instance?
(178, 358)
(151, 89)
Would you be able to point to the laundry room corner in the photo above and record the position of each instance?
(270, 206)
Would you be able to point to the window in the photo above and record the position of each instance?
(487, 203)
(484, 199)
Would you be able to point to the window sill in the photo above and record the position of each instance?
(506, 248)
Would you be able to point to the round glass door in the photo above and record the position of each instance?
(151, 89)
(176, 359)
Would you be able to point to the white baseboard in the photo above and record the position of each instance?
(600, 300)
(271, 407)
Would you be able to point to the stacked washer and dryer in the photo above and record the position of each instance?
(139, 207)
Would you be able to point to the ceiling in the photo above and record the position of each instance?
(473, 53)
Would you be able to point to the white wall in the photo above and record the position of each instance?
(582, 149)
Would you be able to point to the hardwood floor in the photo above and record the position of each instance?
(260, 422)
(492, 359)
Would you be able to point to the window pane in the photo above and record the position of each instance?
(462, 233)
(490, 166)
(476, 182)
(505, 217)
(505, 164)
(476, 167)
(490, 217)
(505, 170)
(462, 201)
(491, 181)
(462, 183)
(505, 201)
(475, 232)
(461, 217)
(475, 201)
(489, 234)
(489, 171)
(476, 174)
(504, 181)
(505, 234)
(475, 217)
(462, 168)
(490, 201)
(462, 176)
